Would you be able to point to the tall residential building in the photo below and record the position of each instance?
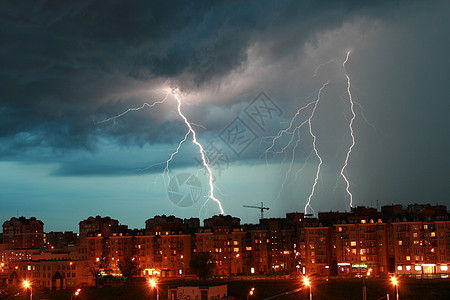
(23, 233)
(98, 223)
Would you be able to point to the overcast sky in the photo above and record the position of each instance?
(241, 69)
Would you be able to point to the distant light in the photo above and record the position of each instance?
(252, 291)
(306, 281)
(152, 283)
(394, 281)
(26, 284)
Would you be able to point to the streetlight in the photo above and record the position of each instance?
(308, 284)
(250, 293)
(395, 283)
(27, 286)
(153, 285)
(76, 293)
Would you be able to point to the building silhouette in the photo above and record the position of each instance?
(410, 241)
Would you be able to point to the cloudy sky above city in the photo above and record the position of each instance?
(74, 143)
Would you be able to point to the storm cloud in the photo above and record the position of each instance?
(68, 66)
(65, 66)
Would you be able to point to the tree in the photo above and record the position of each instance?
(96, 267)
(129, 267)
(202, 265)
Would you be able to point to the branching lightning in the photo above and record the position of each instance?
(190, 130)
(316, 71)
(166, 169)
(294, 131)
(133, 109)
(202, 154)
(290, 130)
(315, 150)
(287, 130)
(350, 125)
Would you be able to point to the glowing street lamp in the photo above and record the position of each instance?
(76, 293)
(27, 286)
(251, 293)
(308, 284)
(395, 283)
(154, 286)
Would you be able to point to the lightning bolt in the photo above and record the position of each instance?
(190, 130)
(294, 131)
(288, 131)
(133, 109)
(350, 125)
(316, 179)
(202, 153)
(166, 169)
(316, 71)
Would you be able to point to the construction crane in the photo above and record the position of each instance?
(262, 208)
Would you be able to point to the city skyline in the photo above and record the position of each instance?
(97, 97)
(410, 240)
(411, 211)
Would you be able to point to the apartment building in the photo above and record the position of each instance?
(409, 241)
(23, 233)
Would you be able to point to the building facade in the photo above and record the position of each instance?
(411, 241)
(23, 233)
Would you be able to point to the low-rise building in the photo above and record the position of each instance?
(217, 292)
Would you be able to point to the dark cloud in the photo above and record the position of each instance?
(66, 65)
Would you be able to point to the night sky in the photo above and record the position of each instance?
(241, 70)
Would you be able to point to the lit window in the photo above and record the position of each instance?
(425, 226)
(444, 268)
(400, 243)
(400, 268)
(353, 243)
(408, 258)
(417, 268)
(408, 268)
(433, 234)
